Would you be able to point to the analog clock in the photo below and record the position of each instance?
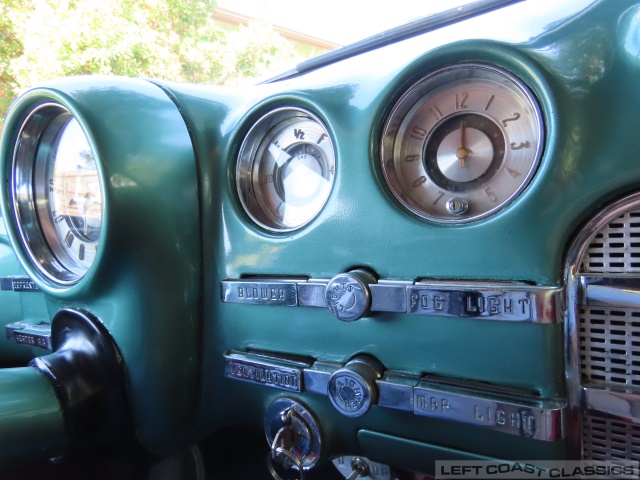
(462, 143)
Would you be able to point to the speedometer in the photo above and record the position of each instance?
(57, 194)
(462, 143)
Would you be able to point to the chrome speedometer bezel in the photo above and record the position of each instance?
(33, 161)
(479, 200)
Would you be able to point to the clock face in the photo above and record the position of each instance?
(462, 143)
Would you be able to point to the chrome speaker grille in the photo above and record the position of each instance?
(609, 347)
(603, 334)
(616, 248)
(605, 439)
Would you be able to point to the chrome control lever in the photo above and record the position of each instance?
(360, 469)
(354, 468)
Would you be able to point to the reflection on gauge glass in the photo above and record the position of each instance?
(55, 170)
(285, 169)
(462, 143)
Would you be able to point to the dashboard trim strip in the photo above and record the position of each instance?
(261, 370)
(312, 293)
(396, 391)
(518, 415)
(18, 283)
(514, 303)
(522, 417)
(610, 290)
(276, 293)
(502, 301)
(622, 405)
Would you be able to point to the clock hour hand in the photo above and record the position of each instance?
(462, 153)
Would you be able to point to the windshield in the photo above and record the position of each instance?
(337, 23)
(222, 42)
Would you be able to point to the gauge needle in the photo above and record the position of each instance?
(462, 153)
(279, 155)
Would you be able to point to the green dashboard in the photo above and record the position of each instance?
(423, 250)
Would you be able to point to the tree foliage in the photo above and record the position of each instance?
(166, 39)
(10, 48)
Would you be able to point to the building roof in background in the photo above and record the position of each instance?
(331, 23)
(235, 18)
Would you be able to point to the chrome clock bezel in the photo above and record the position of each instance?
(255, 194)
(432, 195)
(34, 153)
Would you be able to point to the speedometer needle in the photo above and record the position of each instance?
(462, 153)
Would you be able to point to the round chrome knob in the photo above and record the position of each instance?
(348, 295)
(353, 389)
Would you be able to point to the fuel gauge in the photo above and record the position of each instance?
(285, 169)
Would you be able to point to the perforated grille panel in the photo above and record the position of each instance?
(605, 439)
(609, 347)
(609, 340)
(616, 249)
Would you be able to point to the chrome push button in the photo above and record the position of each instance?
(348, 295)
(353, 389)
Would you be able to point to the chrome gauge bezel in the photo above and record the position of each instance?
(424, 121)
(258, 180)
(47, 240)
